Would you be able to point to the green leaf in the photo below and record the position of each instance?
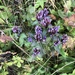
(19, 64)
(33, 18)
(27, 44)
(74, 71)
(40, 3)
(30, 9)
(48, 39)
(69, 13)
(72, 32)
(1, 21)
(30, 59)
(59, 49)
(5, 73)
(62, 53)
(73, 3)
(68, 4)
(39, 58)
(4, 14)
(63, 74)
(61, 14)
(60, 23)
(10, 63)
(53, 12)
(41, 71)
(35, 23)
(21, 39)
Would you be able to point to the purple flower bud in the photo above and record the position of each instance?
(29, 39)
(43, 23)
(64, 38)
(44, 38)
(46, 12)
(36, 51)
(38, 30)
(56, 28)
(38, 37)
(53, 30)
(15, 29)
(57, 42)
(39, 16)
(50, 30)
(46, 21)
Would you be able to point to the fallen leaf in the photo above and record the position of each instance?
(69, 44)
(52, 16)
(70, 21)
(54, 53)
(65, 10)
(4, 38)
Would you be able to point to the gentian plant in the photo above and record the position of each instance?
(46, 37)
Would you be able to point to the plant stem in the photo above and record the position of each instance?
(62, 67)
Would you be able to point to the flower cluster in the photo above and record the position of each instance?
(38, 30)
(62, 40)
(36, 51)
(16, 29)
(46, 21)
(38, 35)
(57, 42)
(46, 29)
(43, 17)
(41, 14)
(53, 30)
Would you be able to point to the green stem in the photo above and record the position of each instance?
(62, 67)
(36, 73)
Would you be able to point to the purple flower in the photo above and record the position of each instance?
(46, 12)
(46, 21)
(36, 51)
(39, 15)
(38, 37)
(50, 30)
(16, 29)
(64, 38)
(57, 42)
(53, 30)
(38, 30)
(29, 39)
(44, 38)
(56, 28)
(43, 23)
